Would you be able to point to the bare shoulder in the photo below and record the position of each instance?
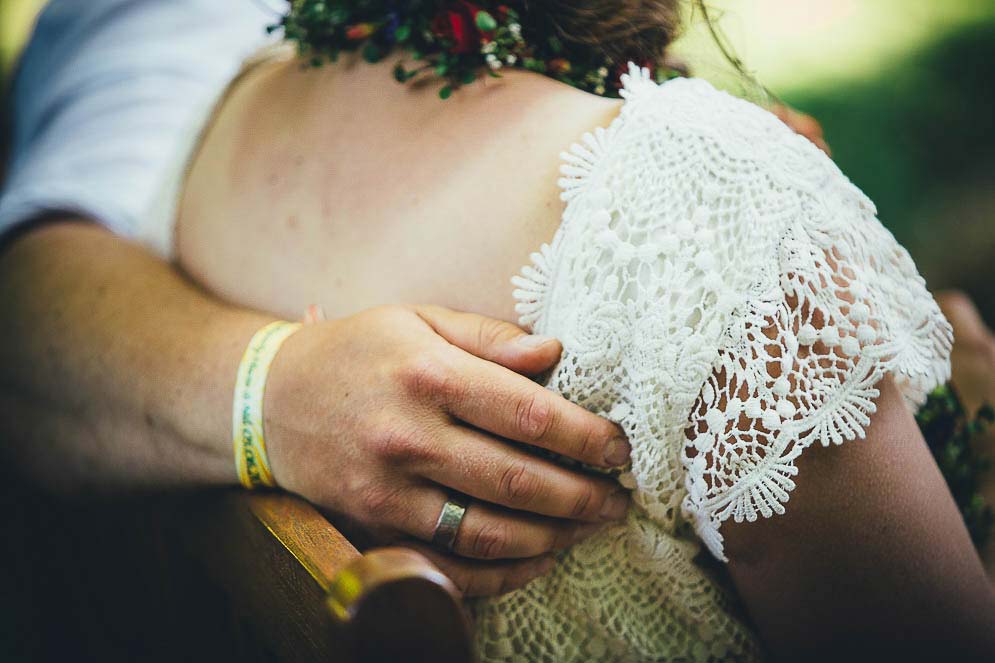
(301, 158)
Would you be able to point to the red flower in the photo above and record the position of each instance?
(458, 24)
(559, 66)
(359, 31)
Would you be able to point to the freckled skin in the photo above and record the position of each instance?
(388, 193)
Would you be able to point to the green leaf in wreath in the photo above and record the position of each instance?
(485, 22)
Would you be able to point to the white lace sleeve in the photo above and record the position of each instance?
(738, 288)
(729, 298)
(833, 303)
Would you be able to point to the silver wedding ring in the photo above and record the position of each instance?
(446, 529)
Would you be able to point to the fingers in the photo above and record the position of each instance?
(494, 340)
(494, 471)
(486, 578)
(486, 531)
(490, 532)
(489, 396)
(513, 407)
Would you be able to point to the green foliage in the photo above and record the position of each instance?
(919, 139)
(485, 22)
(949, 432)
(455, 39)
(924, 122)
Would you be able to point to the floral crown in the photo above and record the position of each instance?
(454, 39)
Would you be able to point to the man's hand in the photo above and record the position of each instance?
(118, 372)
(381, 416)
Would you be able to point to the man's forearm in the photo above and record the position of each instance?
(115, 369)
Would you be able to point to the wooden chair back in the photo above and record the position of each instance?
(301, 592)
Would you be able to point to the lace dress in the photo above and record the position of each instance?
(725, 294)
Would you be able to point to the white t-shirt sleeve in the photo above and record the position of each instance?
(104, 93)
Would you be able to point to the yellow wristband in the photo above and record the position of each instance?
(247, 411)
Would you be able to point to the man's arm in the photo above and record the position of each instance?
(116, 371)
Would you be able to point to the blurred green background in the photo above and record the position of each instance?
(905, 90)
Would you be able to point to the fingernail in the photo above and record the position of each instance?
(533, 341)
(615, 507)
(617, 452)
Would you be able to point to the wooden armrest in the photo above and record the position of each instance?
(309, 595)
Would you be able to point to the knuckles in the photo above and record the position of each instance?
(534, 416)
(429, 376)
(586, 504)
(490, 541)
(396, 446)
(378, 502)
(491, 332)
(519, 485)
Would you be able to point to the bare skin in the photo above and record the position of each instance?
(401, 181)
(871, 558)
(342, 188)
(118, 373)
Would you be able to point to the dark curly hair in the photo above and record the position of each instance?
(618, 30)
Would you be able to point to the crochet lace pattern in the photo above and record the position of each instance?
(729, 297)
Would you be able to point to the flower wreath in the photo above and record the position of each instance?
(455, 39)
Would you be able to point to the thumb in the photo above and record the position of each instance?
(494, 340)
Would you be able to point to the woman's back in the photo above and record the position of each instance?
(342, 190)
(720, 289)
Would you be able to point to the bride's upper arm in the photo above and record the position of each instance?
(871, 548)
(729, 269)
(803, 465)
